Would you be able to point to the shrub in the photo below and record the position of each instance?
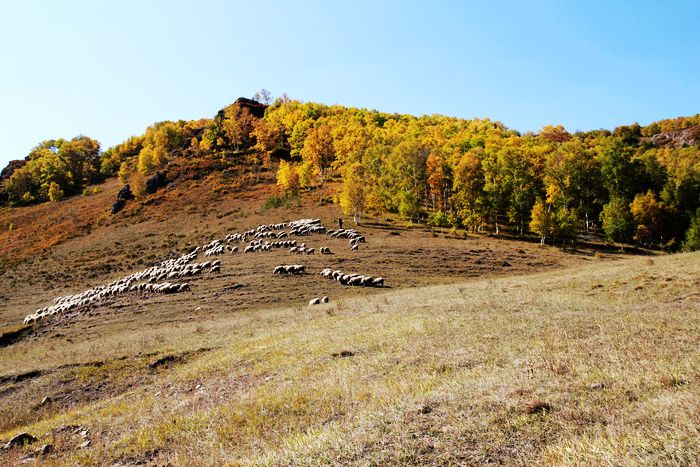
(289, 200)
(55, 192)
(438, 219)
(692, 235)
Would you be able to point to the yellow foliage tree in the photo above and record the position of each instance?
(542, 222)
(287, 177)
(352, 194)
(55, 192)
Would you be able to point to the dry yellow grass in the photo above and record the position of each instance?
(594, 365)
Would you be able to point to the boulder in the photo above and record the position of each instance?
(155, 182)
(125, 193)
(118, 205)
(20, 439)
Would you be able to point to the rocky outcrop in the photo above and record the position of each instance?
(20, 440)
(123, 196)
(256, 108)
(11, 167)
(155, 182)
(678, 138)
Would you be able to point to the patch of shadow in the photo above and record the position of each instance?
(20, 377)
(167, 360)
(232, 287)
(15, 335)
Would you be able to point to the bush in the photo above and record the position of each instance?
(438, 219)
(692, 235)
(55, 192)
(289, 200)
(137, 182)
(617, 220)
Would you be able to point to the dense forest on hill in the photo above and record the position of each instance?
(633, 184)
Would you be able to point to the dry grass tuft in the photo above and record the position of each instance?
(536, 407)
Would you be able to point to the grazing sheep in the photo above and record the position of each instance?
(314, 301)
(353, 279)
(149, 280)
(325, 250)
(289, 269)
(355, 247)
(324, 299)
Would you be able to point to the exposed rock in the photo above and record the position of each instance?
(256, 108)
(155, 182)
(125, 193)
(44, 450)
(11, 167)
(118, 205)
(20, 439)
(677, 138)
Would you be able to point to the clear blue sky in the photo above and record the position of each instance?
(109, 69)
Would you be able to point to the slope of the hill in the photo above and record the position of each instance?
(592, 364)
(55, 249)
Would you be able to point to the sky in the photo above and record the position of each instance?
(110, 69)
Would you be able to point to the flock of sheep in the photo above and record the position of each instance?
(153, 279)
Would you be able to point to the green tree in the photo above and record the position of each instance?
(692, 235)
(617, 220)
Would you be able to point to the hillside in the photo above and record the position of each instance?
(633, 184)
(592, 364)
(493, 297)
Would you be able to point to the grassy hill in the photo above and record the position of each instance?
(481, 349)
(593, 364)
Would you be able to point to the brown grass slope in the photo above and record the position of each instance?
(590, 365)
(55, 249)
(481, 350)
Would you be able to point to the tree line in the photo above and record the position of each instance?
(476, 174)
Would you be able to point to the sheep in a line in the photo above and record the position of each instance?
(171, 268)
(184, 266)
(236, 237)
(350, 234)
(289, 269)
(216, 250)
(352, 279)
(306, 227)
(318, 301)
(324, 250)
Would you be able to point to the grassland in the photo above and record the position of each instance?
(482, 350)
(592, 364)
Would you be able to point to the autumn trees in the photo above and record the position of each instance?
(55, 168)
(476, 174)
